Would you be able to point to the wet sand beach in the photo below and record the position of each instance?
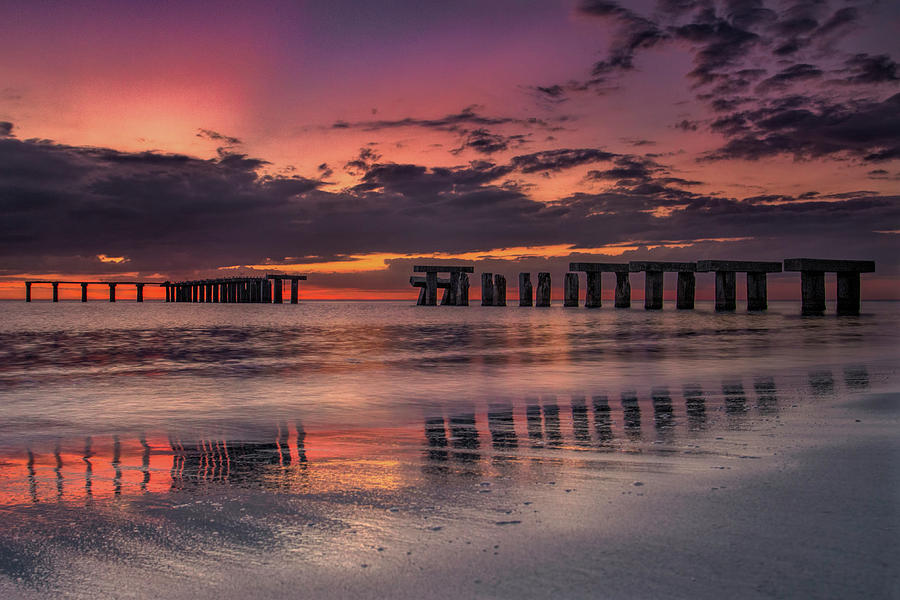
(750, 476)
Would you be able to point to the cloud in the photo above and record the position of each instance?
(485, 142)
(218, 137)
(633, 33)
(5, 128)
(865, 129)
(864, 68)
(788, 76)
(65, 206)
(558, 160)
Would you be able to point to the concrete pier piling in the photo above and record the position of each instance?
(623, 290)
(593, 289)
(84, 287)
(543, 290)
(140, 292)
(812, 283)
(526, 293)
(487, 289)
(55, 292)
(458, 296)
(653, 286)
(499, 290)
(112, 292)
(570, 284)
(27, 291)
(687, 285)
(726, 293)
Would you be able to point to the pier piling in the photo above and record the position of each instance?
(593, 272)
(499, 290)
(543, 290)
(112, 292)
(653, 286)
(525, 290)
(487, 289)
(623, 290)
(812, 283)
(55, 291)
(84, 287)
(726, 294)
(687, 285)
(570, 284)
(456, 286)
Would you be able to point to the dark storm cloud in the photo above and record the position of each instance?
(633, 33)
(864, 68)
(5, 128)
(558, 160)
(175, 214)
(865, 129)
(788, 76)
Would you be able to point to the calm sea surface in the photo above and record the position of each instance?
(104, 402)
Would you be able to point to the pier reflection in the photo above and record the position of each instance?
(498, 434)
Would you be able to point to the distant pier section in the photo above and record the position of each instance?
(456, 286)
(726, 297)
(653, 282)
(268, 289)
(812, 283)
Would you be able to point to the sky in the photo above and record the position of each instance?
(351, 140)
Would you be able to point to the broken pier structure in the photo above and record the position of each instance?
(139, 285)
(456, 286)
(593, 272)
(234, 290)
(812, 283)
(726, 297)
(653, 282)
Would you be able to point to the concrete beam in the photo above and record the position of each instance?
(592, 267)
(829, 266)
(644, 265)
(525, 290)
(442, 269)
(738, 266)
(420, 282)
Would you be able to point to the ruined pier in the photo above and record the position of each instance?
(726, 297)
(593, 272)
(139, 286)
(456, 286)
(653, 282)
(812, 283)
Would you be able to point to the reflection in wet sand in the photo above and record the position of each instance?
(821, 382)
(663, 414)
(115, 466)
(856, 377)
(632, 415)
(695, 405)
(766, 398)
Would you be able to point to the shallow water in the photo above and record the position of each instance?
(167, 437)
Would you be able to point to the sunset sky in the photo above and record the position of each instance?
(349, 140)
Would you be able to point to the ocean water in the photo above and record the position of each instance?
(146, 409)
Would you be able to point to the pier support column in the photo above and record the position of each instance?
(55, 291)
(526, 292)
(462, 294)
(687, 284)
(27, 291)
(112, 292)
(653, 290)
(499, 290)
(168, 295)
(487, 289)
(295, 297)
(279, 290)
(215, 293)
(592, 291)
(848, 293)
(140, 292)
(756, 291)
(451, 293)
(571, 289)
(84, 292)
(812, 292)
(725, 291)
(623, 290)
(543, 290)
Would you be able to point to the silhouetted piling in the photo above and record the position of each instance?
(487, 289)
(653, 282)
(812, 283)
(571, 289)
(525, 290)
(543, 290)
(499, 290)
